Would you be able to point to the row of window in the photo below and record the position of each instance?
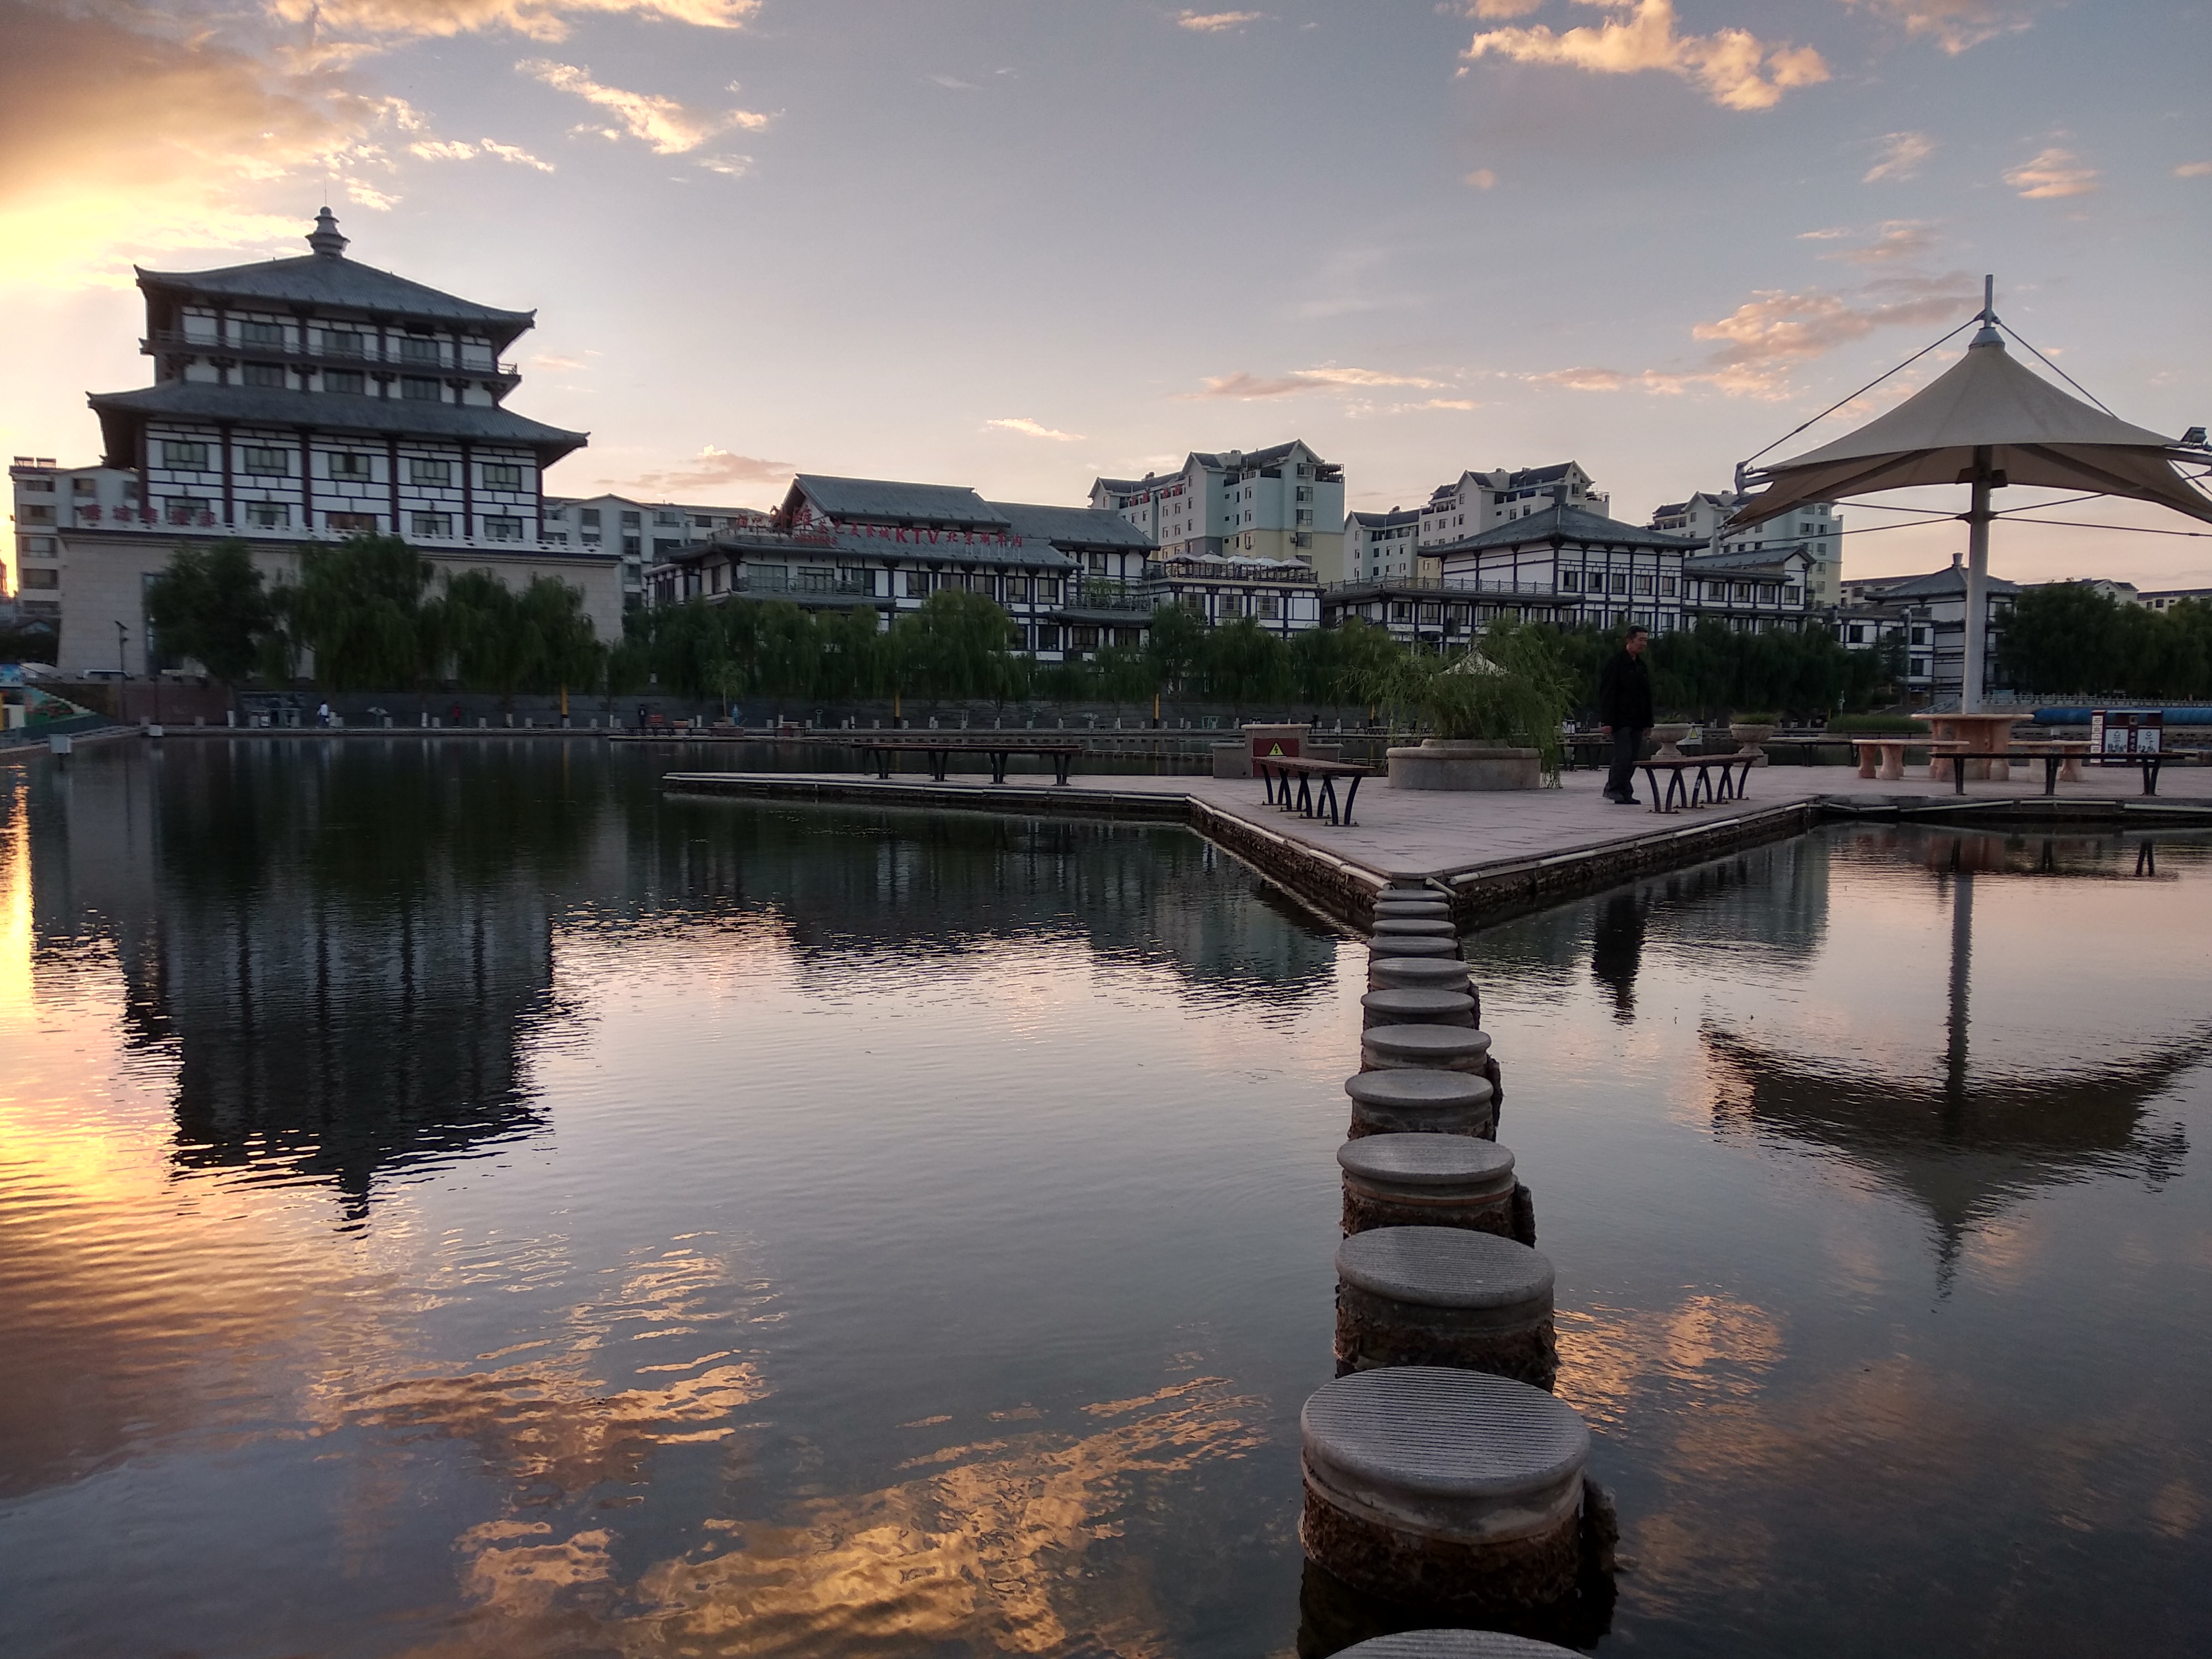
(352, 342)
(262, 462)
(191, 510)
(415, 388)
(1716, 592)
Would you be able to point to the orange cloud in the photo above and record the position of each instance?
(1734, 68)
(1902, 153)
(713, 467)
(670, 128)
(1954, 25)
(541, 20)
(1248, 386)
(1030, 429)
(1217, 22)
(2054, 172)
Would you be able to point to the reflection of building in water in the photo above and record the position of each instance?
(950, 884)
(345, 954)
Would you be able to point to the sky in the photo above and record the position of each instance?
(1016, 244)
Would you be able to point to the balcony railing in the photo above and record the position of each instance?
(746, 580)
(318, 354)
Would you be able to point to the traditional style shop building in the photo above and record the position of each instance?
(301, 400)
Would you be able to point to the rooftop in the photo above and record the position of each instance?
(886, 500)
(247, 405)
(1558, 524)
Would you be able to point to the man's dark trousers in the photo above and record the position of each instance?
(1627, 744)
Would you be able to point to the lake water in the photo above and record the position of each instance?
(456, 1202)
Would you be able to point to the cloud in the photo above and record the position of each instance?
(2054, 172)
(1899, 239)
(731, 167)
(1496, 11)
(550, 360)
(1215, 22)
(670, 128)
(1757, 346)
(540, 19)
(1248, 387)
(451, 150)
(954, 83)
(710, 468)
(1735, 69)
(1023, 425)
(1902, 153)
(1482, 178)
(2194, 170)
(1954, 25)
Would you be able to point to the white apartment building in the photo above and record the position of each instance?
(1382, 546)
(640, 533)
(1931, 610)
(1817, 529)
(1285, 502)
(298, 401)
(1477, 502)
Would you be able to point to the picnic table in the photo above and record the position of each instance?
(1977, 738)
(877, 753)
(1677, 793)
(1279, 773)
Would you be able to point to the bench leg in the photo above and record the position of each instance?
(1892, 763)
(1305, 796)
(1327, 802)
(2151, 775)
(1350, 795)
(2050, 774)
(1867, 759)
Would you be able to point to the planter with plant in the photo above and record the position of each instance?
(1750, 731)
(1496, 711)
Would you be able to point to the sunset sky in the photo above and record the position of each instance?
(1017, 243)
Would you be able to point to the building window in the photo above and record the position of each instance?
(1768, 592)
(1047, 590)
(37, 547)
(630, 522)
(1789, 596)
(1920, 636)
(1919, 670)
(415, 349)
(502, 530)
(917, 584)
(438, 473)
(502, 476)
(631, 548)
(43, 578)
(1667, 587)
(188, 509)
(340, 343)
(348, 382)
(1642, 585)
(268, 374)
(1743, 592)
(351, 523)
(261, 334)
(1571, 581)
(588, 517)
(266, 463)
(418, 388)
(1620, 581)
(42, 513)
(346, 465)
(668, 520)
(433, 524)
(1048, 636)
(268, 515)
(189, 458)
(1017, 589)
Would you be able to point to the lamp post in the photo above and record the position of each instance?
(122, 637)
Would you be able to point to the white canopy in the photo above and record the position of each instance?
(2032, 432)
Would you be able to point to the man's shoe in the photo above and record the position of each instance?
(1625, 800)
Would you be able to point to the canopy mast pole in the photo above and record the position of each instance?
(1974, 670)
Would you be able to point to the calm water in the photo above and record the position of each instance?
(455, 1203)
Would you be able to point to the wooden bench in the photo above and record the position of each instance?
(1677, 793)
(877, 754)
(1279, 772)
(2059, 760)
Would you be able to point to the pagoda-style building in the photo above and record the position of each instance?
(307, 400)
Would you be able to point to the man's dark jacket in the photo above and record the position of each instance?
(1624, 692)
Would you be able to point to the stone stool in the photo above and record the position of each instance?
(1406, 1101)
(1445, 1296)
(1397, 944)
(1454, 1644)
(1425, 973)
(1419, 1008)
(1402, 1180)
(1445, 1048)
(1428, 1484)
(1411, 928)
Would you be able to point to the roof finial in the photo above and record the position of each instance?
(324, 238)
(1987, 335)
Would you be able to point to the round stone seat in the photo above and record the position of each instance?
(1448, 1048)
(1411, 928)
(1445, 1296)
(1429, 1484)
(1409, 1101)
(1398, 1179)
(1425, 973)
(1453, 1644)
(1417, 1008)
(1396, 944)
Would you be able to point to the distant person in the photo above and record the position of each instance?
(641, 717)
(1624, 704)
(456, 714)
(323, 714)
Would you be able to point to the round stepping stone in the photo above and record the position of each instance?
(1454, 1644)
(1446, 1048)
(1417, 909)
(1396, 944)
(1412, 928)
(1409, 973)
(1428, 1484)
(1417, 1008)
(1405, 1101)
(1399, 1180)
(1445, 1296)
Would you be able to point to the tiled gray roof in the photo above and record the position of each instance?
(339, 284)
(1950, 580)
(1751, 559)
(1384, 521)
(883, 499)
(250, 405)
(1565, 523)
(1073, 526)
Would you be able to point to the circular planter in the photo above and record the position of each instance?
(1669, 738)
(1448, 764)
(1750, 737)
(1445, 1296)
(1401, 1180)
(1406, 1102)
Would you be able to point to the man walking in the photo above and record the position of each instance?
(1624, 704)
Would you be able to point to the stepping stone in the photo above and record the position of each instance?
(1407, 1100)
(1444, 1046)
(1425, 973)
(1397, 944)
(1429, 1484)
(1419, 1008)
(1454, 1644)
(1445, 1296)
(1412, 928)
(1397, 1179)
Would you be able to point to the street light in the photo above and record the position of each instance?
(121, 636)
